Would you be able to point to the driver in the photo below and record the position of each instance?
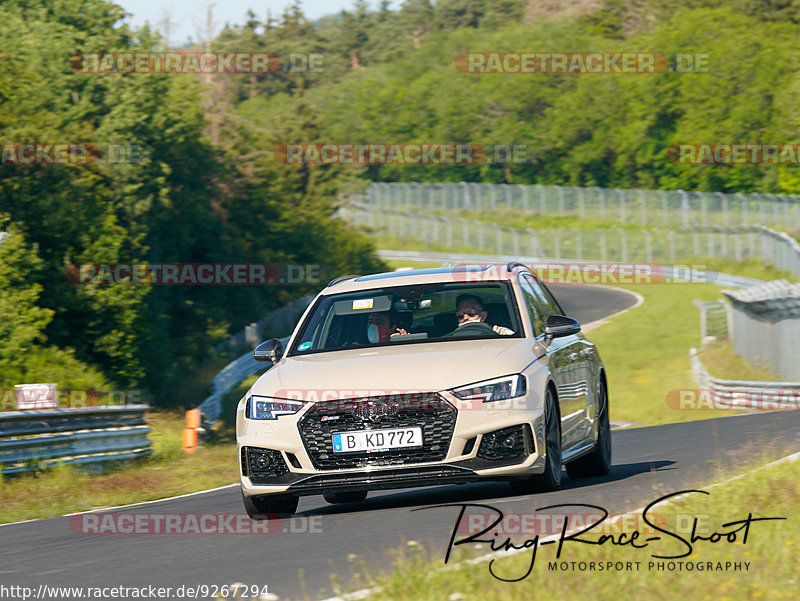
(471, 318)
(383, 325)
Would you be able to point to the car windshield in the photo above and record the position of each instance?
(409, 315)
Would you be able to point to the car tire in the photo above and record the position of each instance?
(550, 479)
(345, 497)
(264, 508)
(598, 462)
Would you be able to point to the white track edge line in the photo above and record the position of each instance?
(140, 503)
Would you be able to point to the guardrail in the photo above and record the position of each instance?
(743, 394)
(41, 438)
(715, 319)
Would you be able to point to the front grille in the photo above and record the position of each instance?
(430, 412)
(262, 465)
(509, 443)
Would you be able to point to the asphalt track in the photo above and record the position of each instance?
(648, 462)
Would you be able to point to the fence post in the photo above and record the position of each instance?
(738, 246)
(703, 323)
(796, 207)
(643, 196)
(621, 205)
(623, 243)
(703, 209)
(525, 207)
(672, 247)
(684, 208)
(535, 248)
(744, 208)
(603, 249)
(542, 199)
(724, 198)
(775, 210)
(581, 204)
(665, 206)
(561, 209)
(648, 245)
(602, 204)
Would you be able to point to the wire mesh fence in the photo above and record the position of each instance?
(648, 208)
(435, 232)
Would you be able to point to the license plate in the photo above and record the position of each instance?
(377, 440)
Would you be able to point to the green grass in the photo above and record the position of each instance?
(168, 471)
(722, 362)
(749, 268)
(646, 353)
(592, 219)
(771, 551)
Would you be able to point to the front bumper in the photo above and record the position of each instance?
(473, 452)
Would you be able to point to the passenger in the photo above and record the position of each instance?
(471, 318)
(383, 325)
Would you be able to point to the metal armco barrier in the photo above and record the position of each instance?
(746, 393)
(32, 440)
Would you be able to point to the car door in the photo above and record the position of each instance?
(586, 358)
(568, 365)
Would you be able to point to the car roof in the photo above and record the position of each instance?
(491, 272)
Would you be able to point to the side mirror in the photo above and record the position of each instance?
(271, 350)
(557, 326)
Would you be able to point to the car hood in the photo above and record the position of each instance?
(391, 370)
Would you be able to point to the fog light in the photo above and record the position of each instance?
(263, 461)
(509, 442)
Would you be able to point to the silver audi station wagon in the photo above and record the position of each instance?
(421, 378)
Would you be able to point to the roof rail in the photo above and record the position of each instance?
(341, 278)
(512, 264)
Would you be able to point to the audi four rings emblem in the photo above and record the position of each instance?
(372, 411)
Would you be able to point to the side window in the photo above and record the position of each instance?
(534, 305)
(557, 310)
(543, 297)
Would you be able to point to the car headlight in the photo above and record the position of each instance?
(497, 389)
(262, 407)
